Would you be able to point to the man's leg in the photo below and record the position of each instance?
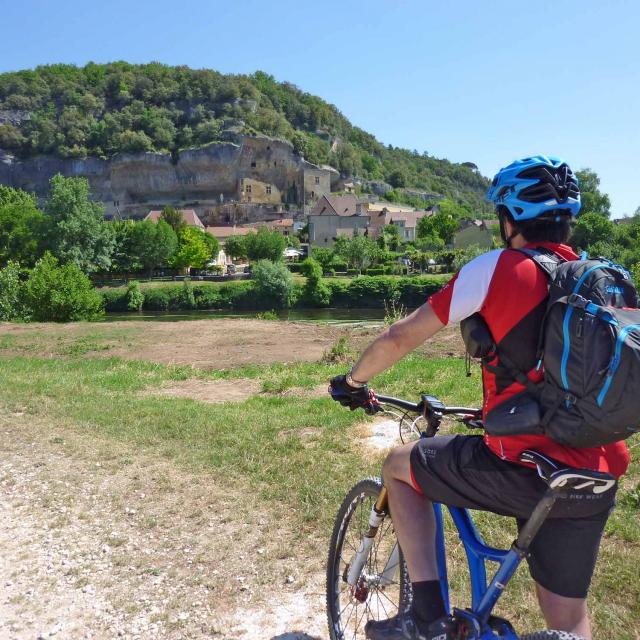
(564, 614)
(412, 514)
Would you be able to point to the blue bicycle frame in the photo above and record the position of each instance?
(483, 596)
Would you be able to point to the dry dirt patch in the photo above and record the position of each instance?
(101, 541)
(230, 390)
(213, 391)
(205, 344)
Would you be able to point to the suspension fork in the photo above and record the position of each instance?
(376, 518)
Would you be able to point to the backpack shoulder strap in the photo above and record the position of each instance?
(547, 260)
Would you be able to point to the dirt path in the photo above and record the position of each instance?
(97, 543)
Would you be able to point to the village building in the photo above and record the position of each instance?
(405, 218)
(284, 226)
(189, 216)
(335, 216)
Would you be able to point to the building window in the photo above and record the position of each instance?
(248, 188)
(248, 198)
(317, 180)
(313, 194)
(268, 189)
(253, 165)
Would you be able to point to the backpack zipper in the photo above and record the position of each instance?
(615, 362)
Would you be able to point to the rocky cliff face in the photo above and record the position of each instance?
(137, 181)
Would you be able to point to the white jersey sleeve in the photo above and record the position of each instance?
(466, 292)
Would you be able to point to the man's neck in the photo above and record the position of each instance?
(517, 242)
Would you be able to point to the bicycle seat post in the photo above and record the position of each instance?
(535, 521)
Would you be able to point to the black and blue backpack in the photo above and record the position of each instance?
(589, 346)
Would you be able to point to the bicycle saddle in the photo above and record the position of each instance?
(565, 478)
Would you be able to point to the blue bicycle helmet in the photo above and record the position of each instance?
(535, 187)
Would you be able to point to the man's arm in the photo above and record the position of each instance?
(396, 342)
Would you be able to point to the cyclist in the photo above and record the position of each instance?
(535, 200)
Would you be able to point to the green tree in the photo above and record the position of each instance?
(265, 245)
(591, 198)
(193, 250)
(397, 179)
(21, 227)
(236, 247)
(212, 243)
(442, 225)
(152, 244)
(174, 219)
(77, 230)
(323, 256)
(61, 293)
(591, 227)
(391, 235)
(12, 307)
(361, 252)
(273, 282)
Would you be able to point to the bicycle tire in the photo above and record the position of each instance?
(551, 635)
(347, 616)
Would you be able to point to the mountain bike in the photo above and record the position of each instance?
(367, 577)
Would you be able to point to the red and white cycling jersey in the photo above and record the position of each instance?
(510, 292)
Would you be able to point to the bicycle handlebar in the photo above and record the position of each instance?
(428, 403)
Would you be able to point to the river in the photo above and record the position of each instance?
(330, 315)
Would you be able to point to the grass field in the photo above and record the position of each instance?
(294, 450)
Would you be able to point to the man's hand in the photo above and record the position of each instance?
(354, 398)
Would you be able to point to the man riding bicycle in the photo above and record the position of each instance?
(535, 200)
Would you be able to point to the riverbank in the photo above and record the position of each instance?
(360, 292)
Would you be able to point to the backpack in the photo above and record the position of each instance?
(589, 345)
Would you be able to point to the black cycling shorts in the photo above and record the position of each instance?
(461, 471)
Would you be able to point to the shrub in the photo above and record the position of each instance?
(134, 296)
(156, 299)
(375, 271)
(206, 297)
(315, 291)
(353, 272)
(294, 267)
(273, 283)
(187, 299)
(61, 293)
(12, 306)
(338, 265)
(267, 315)
(340, 352)
(114, 299)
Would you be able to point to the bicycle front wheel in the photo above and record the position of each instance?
(383, 587)
(551, 635)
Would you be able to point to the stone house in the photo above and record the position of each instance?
(334, 216)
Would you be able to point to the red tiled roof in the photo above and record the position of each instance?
(188, 215)
(226, 232)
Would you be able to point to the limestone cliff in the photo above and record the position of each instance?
(206, 175)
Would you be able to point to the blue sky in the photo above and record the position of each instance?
(469, 81)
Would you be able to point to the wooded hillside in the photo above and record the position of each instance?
(103, 109)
